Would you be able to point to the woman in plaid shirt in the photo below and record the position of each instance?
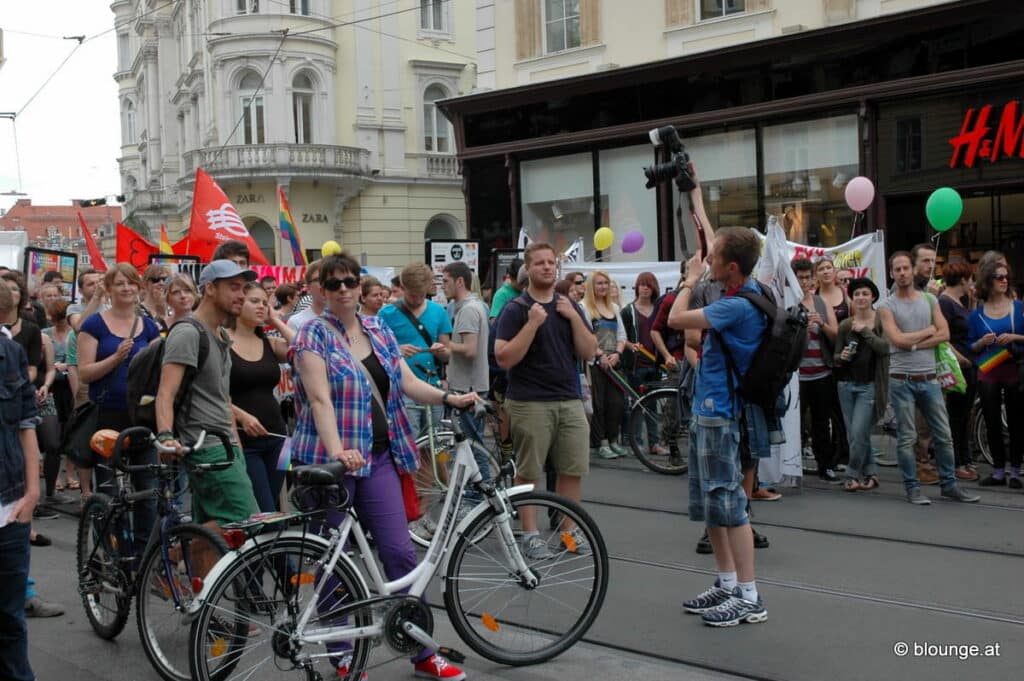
(339, 417)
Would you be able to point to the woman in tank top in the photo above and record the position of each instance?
(829, 289)
(255, 372)
(611, 340)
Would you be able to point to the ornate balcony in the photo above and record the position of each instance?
(272, 161)
(444, 166)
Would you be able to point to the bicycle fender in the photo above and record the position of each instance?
(479, 510)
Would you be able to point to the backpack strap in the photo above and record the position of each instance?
(416, 323)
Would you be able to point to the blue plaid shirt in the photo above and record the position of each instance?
(351, 395)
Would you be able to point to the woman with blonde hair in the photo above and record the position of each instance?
(608, 400)
(181, 298)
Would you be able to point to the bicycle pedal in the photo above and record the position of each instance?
(451, 654)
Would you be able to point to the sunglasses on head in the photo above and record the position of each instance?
(158, 280)
(1000, 277)
(334, 284)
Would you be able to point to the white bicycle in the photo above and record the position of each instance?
(288, 603)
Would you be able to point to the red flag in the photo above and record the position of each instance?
(182, 247)
(133, 249)
(214, 220)
(94, 253)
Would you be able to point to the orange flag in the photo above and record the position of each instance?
(133, 249)
(90, 244)
(214, 220)
(165, 243)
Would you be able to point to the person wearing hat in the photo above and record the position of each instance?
(861, 368)
(218, 497)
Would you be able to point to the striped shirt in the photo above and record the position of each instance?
(351, 394)
(812, 366)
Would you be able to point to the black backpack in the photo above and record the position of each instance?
(144, 379)
(776, 358)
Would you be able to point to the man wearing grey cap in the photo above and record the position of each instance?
(218, 497)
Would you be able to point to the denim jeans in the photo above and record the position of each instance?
(927, 396)
(261, 454)
(858, 403)
(14, 557)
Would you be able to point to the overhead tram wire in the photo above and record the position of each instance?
(342, 24)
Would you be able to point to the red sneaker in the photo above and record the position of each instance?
(436, 667)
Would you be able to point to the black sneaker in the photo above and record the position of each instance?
(736, 610)
(711, 597)
(760, 541)
(704, 545)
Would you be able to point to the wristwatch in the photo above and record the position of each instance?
(164, 436)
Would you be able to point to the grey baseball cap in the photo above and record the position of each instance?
(224, 269)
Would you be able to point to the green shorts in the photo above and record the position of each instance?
(555, 430)
(221, 496)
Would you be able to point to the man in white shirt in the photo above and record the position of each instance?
(318, 301)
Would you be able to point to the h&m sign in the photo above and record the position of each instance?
(975, 140)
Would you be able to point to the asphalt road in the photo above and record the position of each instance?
(848, 580)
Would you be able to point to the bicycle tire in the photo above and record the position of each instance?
(104, 575)
(478, 618)
(659, 405)
(168, 652)
(236, 606)
(981, 432)
(430, 490)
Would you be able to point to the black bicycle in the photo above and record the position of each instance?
(110, 573)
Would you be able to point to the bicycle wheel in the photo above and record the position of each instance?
(244, 630)
(161, 598)
(104, 585)
(509, 623)
(980, 438)
(431, 489)
(658, 436)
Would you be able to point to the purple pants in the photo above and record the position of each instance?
(378, 502)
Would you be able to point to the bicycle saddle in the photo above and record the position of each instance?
(319, 474)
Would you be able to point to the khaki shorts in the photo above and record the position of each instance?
(557, 430)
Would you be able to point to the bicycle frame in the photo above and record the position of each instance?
(465, 473)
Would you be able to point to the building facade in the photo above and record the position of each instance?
(332, 100)
(779, 103)
(57, 227)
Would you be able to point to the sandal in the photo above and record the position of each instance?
(58, 486)
(74, 484)
(852, 485)
(870, 482)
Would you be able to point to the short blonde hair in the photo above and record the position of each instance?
(533, 247)
(129, 272)
(416, 277)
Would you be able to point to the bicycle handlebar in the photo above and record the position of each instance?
(146, 435)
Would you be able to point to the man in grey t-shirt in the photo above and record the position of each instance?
(218, 497)
(914, 325)
(468, 370)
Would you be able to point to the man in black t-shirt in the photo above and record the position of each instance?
(538, 338)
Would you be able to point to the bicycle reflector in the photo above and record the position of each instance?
(234, 538)
(102, 442)
(197, 585)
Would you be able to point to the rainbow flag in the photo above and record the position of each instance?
(288, 230)
(284, 459)
(993, 359)
(165, 243)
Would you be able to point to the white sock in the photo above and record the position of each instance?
(749, 591)
(727, 580)
(528, 535)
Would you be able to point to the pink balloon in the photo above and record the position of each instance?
(859, 194)
(633, 241)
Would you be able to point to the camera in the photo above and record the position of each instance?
(676, 168)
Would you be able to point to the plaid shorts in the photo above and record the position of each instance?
(716, 493)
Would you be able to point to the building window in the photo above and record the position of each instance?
(908, 144)
(124, 54)
(436, 130)
(432, 15)
(247, 6)
(557, 197)
(128, 112)
(561, 25)
(253, 123)
(302, 108)
(299, 7)
(713, 9)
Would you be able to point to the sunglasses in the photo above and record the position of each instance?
(1000, 277)
(335, 284)
(158, 280)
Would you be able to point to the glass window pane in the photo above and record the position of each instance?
(307, 119)
(626, 205)
(572, 8)
(424, 13)
(807, 166)
(556, 36)
(251, 81)
(554, 9)
(297, 117)
(558, 200)
(572, 32)
(428, 127)
(441, 126)
(438, 16)
(258, 106)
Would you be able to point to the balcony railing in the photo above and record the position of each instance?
(437, 165)
(257, 160)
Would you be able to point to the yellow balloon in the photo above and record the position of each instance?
(330, 248)
(603, 238)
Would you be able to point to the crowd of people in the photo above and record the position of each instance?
(370, 359)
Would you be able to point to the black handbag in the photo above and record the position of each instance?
(80, 429)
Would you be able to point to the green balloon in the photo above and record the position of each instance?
(944, 208)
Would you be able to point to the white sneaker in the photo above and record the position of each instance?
(535, 548)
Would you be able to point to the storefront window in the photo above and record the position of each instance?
(626, 205)
(726, 165)
(558, 200)
(807, 166)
